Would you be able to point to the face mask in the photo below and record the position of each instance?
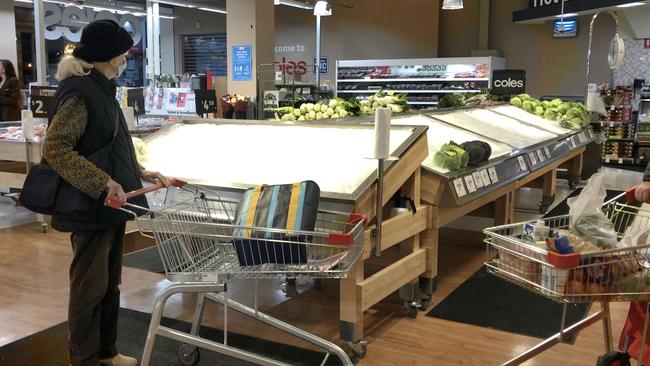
(121, 69)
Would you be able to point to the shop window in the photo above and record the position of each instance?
(205, 52)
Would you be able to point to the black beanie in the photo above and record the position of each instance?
(102, 40)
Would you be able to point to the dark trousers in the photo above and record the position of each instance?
(95, 275)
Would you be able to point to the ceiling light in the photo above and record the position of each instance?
(24, 1)
(629, 5)
(175, 3)
(452, 4)
(293, 3)
(567, 15)
(214, 10)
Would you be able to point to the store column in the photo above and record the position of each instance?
(8, 48)
(251, 41)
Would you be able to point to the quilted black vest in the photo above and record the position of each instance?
(122, 165)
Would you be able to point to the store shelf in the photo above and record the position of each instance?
(409, 79)
(408, 91)
(422, 103)
(614, 123)
(619, 161)
(619, 139)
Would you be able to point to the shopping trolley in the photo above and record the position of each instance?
(621, 274)
(201, 249)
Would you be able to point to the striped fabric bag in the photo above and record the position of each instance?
(286, 207)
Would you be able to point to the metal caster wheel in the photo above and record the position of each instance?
(188, 355)
(425, 301)
(318, 284)
(412, 309)
(359, 348)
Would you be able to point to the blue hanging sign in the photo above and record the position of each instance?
(242, 63)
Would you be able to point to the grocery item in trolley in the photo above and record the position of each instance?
(289, 207)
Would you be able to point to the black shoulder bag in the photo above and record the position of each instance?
(46, 192)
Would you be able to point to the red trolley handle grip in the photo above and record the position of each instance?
(115, 203)
(630, 195)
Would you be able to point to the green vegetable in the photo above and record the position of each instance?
(546, 104)
(539, 110)
(516, 101)
(527, 106)
(296, 112)
(574, 113)
(550, 115)
(450, 101)
(451, 157)
(524, 97)
(564, 107)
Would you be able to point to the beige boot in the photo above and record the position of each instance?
(119, 360)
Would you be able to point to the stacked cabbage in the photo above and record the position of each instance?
(570, 115)
(336, 108)
(397, 103)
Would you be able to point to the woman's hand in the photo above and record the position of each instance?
(155, 178)
(642, 193)
(115, 191)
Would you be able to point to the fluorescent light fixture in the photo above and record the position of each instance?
(24, 1)
(214, 10)
(293, 3)
(567, 15)
(175, 3)
(629, 5)
(322, 8)
(452, 4)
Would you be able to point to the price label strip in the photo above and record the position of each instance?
(493, 175)
(522, 163)
(532, 158)
(583, 139)
(541, 156)
(548, 152)
(460, 188)
(469, 182)
(478, 180)
(485, 176)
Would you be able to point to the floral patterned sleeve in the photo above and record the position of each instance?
(67, 127)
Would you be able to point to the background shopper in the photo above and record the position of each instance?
(86, 118)
(11, 99)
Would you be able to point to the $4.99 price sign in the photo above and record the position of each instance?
(206, 101)
(40, 99)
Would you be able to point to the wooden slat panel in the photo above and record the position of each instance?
(448, 215)
(375, 288)
(432, 188)
(12, 180)
(396, 229)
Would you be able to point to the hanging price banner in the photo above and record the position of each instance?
(135, 99)
(40, 99)
(206, 101)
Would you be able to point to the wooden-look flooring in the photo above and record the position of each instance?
(34, 288)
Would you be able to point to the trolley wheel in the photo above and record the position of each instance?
(425, 301)
(412, 309)
(44, 227)
(318, 284)
(188, 355)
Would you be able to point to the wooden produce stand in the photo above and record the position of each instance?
(16, 158)
(329, 145)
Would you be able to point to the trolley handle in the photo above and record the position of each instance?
(117, 204)
(630, 195)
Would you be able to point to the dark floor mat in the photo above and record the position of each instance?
(48, 347)
(491, 302)
(147, 259)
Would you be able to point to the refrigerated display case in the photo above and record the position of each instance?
(425, 81)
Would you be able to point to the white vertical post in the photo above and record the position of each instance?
(156, 38)
(317, 66)
(149, 51)
(39, 33)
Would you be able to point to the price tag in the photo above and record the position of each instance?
(460, 188)
(485, 176)
(620, 161)
(469, 182)
(548, 152)
(540, 155)
(522, 163)
(135, 99)
(40, 99)
(478, 180)
(571, 143)
(606, 160)
(583, 139)
(611, 124)
(206, 101)
(611, 108)
(493, 175)
(533, 158)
